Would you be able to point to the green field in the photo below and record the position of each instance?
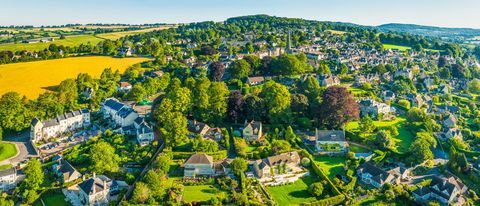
(401, 142)
(357, 149)
(52, 197)
(336, 32)
(398, 47)
(118, 35)
(7, 150)
(4, 167)
(68, 41)
(331, 166)
(198, 193)
(293, 194)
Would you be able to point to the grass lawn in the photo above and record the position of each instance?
(401, 142)
(331, 166)
(52, 197)
(357, 92)
(293, 194)
(398, 47)
(68, 41)
(357, 149)
(336, 32)
(7, 150)
(33, 78)
(5, 167)
(199, 193)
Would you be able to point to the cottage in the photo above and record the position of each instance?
(252, 130)
(276, 165)
(388, 95)
(252, 81)
(445, 190)
(99, 190)
(328, 80)
(371, 174)
(330, 141)
(199, 165)
(8, 179)
(68, 122)
(125, 51)
(124, 87)
(65, 171)
(373, 108)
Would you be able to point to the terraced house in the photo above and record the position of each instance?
(68, 122)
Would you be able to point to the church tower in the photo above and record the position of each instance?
(288, 48)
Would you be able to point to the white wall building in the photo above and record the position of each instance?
(67, 122)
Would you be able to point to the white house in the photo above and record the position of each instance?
(199, 165)
(8, 179)
(252, 130)
(67, 122)
(99, 190)
(276, 165)
(330, 141)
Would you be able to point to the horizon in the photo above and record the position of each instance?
(462, 13)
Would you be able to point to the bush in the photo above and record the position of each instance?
(305, 162)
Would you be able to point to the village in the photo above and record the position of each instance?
(286, 116)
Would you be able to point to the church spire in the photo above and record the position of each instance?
(289, 42)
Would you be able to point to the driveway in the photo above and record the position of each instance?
(25, 149)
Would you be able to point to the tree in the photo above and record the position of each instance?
(442, 62)
(175, 129)
(366, 124)
(235, 103)
(137, 93)
(33, 174)
(218, 101)
(239, 69)
(462, 161)
(474, 86)
(265, 67)
(299, 103)
(181, 99)
(338, 107)
(287, 64)
(13, 113)
(416, 115)
(254, 107)
(280, 146)
(239, 166)
(216, 71)
(68, 94)
(290, 135)
(420, 151)
(316, 189)
(311, 88)
(305, 162)
(103, 158)
(476, 51)
(323, 69)
(155, 181)
(458, 71)
(141, 193)
(200, 98)
(277, 100)
(382, 139)
(163, 163)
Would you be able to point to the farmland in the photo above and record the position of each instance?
(118, 35)
(397, 47)
(68, 41)
(33, 78)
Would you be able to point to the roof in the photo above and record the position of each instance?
(124, 84)
(113, 104)
(256, 79)
(445, 185)
(256, 126)
(288, 157)
(378, 174)
(196, 127)
(95, 184)
(200, 159)
(330, 135)
(8, 172)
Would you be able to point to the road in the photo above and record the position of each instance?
(25, 149)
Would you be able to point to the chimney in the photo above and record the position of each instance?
(83, 177)
(93, 175)
(104, 185)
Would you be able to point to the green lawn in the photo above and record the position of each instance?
(7, 150)
(52, 197)
(4, 167)
(293, 194)
(199, 193)
(398, 47)
(331, 166)
(68, 41)
(357, 149)
(401, 142)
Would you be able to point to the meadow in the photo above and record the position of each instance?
(7, 150)
(397, 47)
(118, 35)
(33, 78)
(68, 41)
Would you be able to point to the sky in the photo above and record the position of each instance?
(445, 13)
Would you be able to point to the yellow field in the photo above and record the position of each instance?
(32, 78)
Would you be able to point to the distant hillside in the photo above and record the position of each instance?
(440, 32)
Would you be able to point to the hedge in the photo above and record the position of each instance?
(335, 200)
(220, 155)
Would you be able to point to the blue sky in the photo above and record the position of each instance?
(449, 13)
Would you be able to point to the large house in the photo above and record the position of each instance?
(128, 121)
(252, 130)
(373, 108)
(445, 190)
(65, 171)
(199, 165)
(199, 128)
(373, 175)
(252, 81)
(68, 122)
(276, 165)
(99, 190)
(328, 80)
(8, 179)
(330, 141)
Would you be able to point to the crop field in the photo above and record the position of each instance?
(118, 35)
(68, 41)
(33, 78)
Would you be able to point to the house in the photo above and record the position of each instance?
(388, 95)
(252, 81)
(124, 87)
(405, 73)
(199, 165)
(125, 51)
(373, 175)
(143, 131)
(199, 128)
(65, 171)
(67, 122)
(446, 190)
(330, 141)
(328, 80)
(276, 165)
(450, 122)
(252, 130)
(8, 179)
(156, 74)
(373, 108)
(99, 190)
